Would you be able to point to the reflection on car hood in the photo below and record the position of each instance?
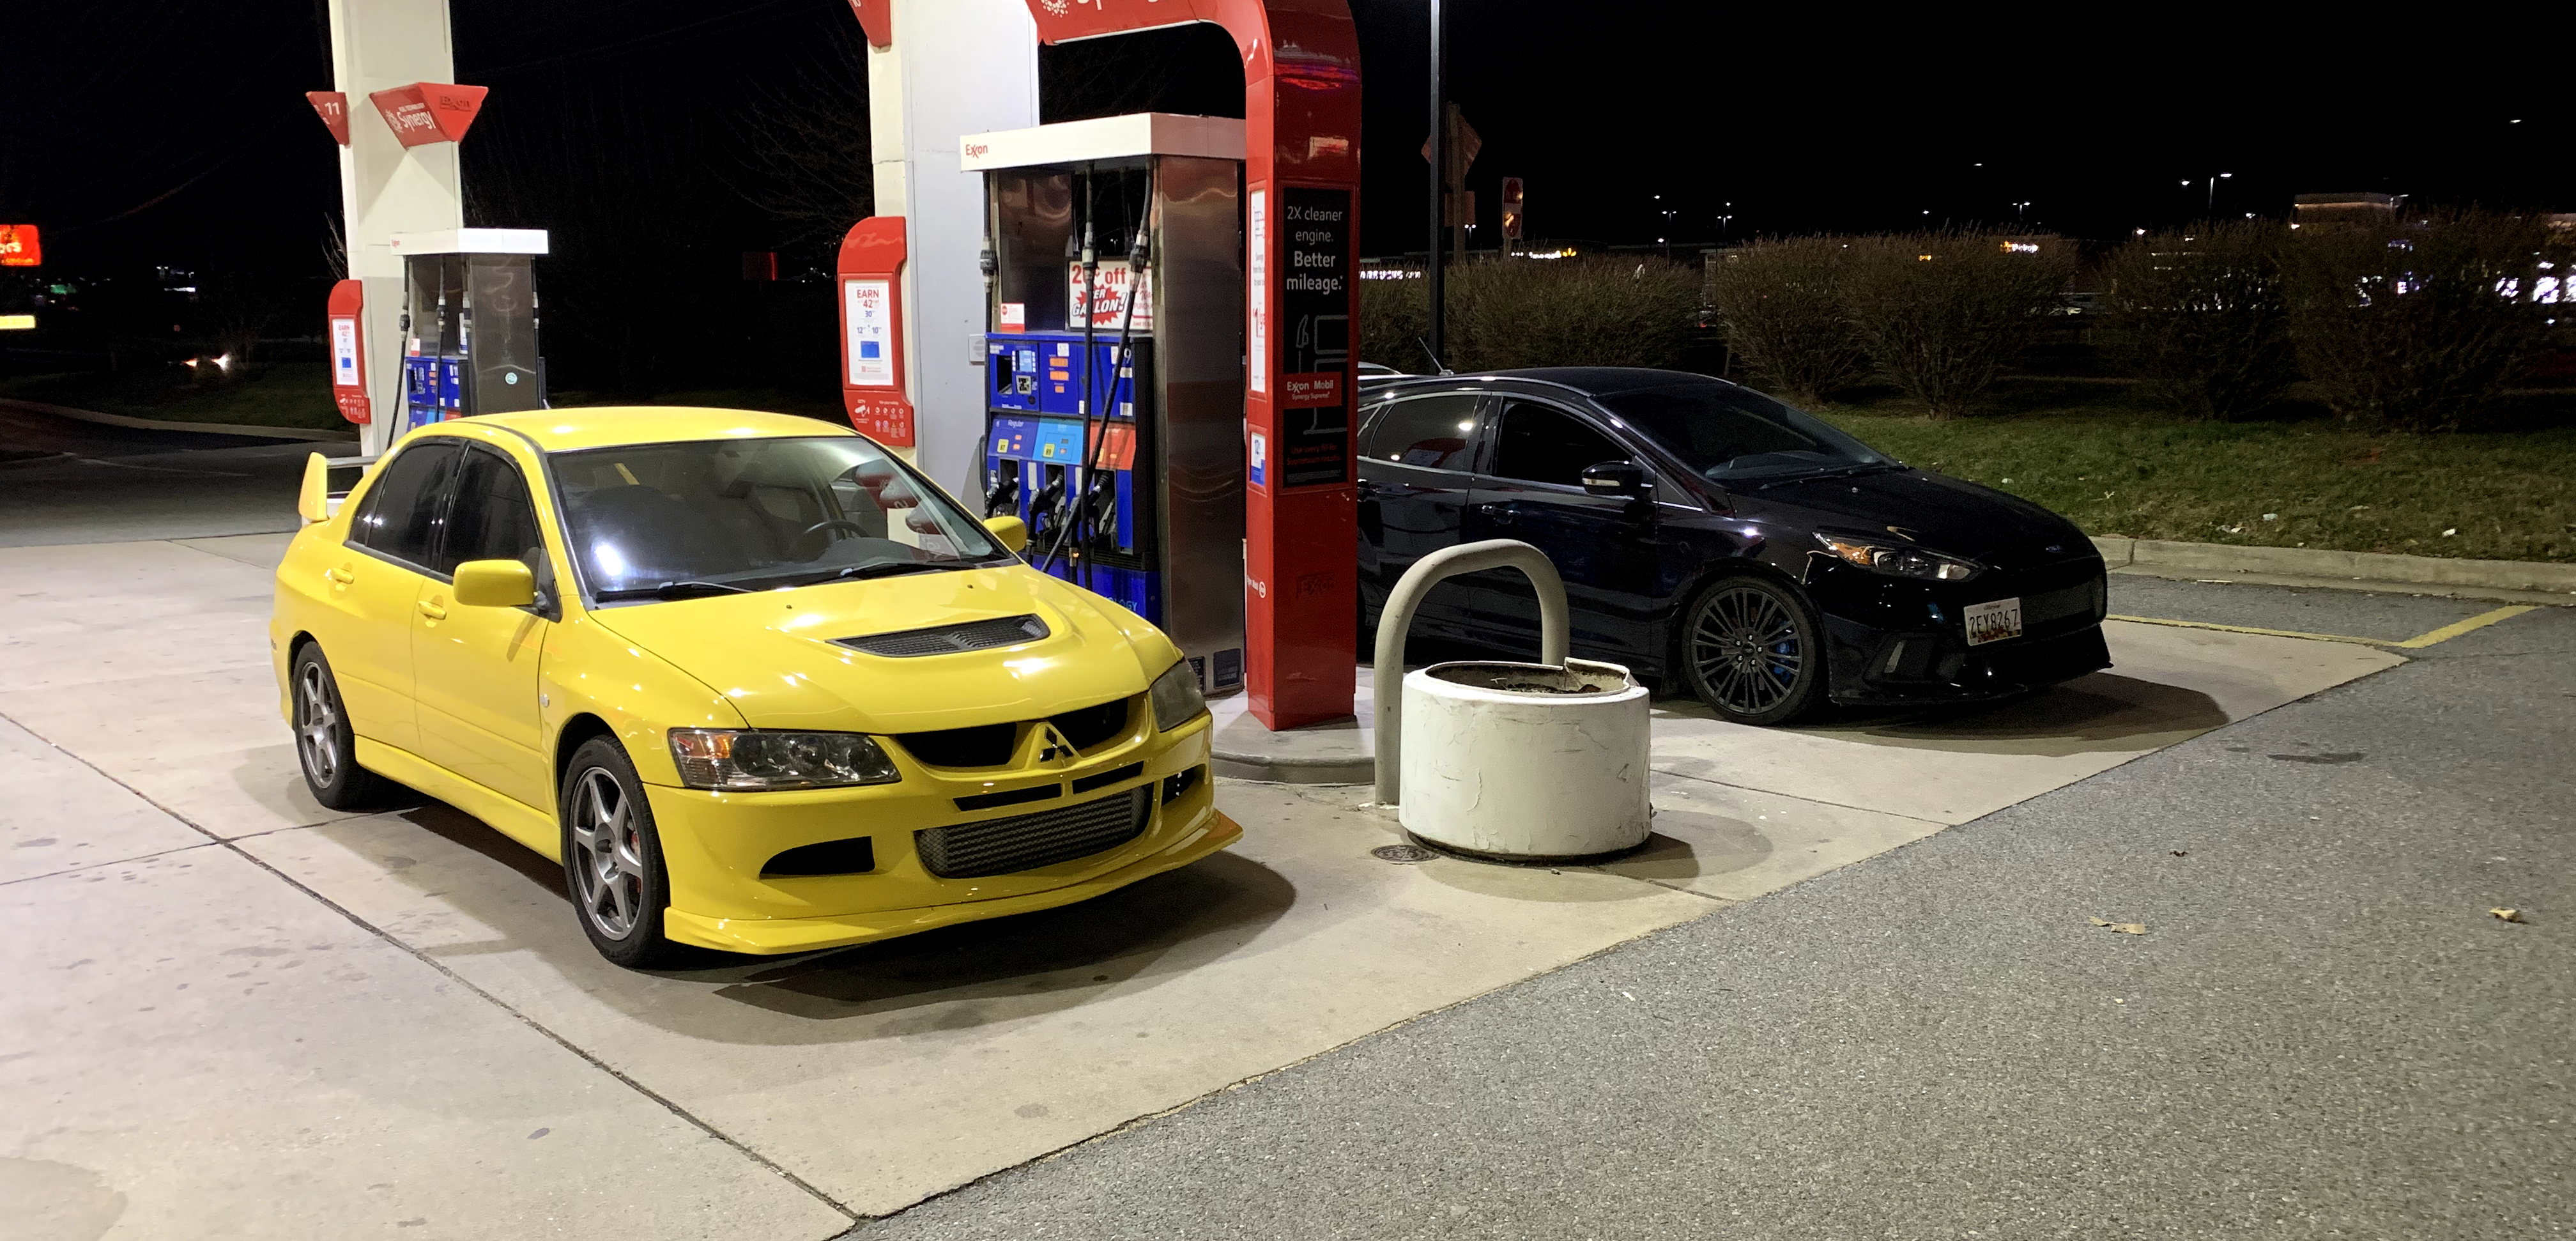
(1935, 511)
(772, 652)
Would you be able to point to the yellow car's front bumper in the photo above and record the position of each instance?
(777, 935)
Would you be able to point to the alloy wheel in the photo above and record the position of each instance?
(1745, 646)
(317, 725)
(608, 854)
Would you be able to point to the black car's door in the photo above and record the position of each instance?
(1417, 456)
(1605, 547)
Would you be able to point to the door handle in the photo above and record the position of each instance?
(431, 610)
(1501, 513)
(342, 576)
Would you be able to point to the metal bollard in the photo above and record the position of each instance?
(1387, 674)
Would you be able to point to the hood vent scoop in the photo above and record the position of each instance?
(980, 635)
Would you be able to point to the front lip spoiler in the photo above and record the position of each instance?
(774, 936)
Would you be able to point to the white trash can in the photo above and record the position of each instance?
(1526, 761)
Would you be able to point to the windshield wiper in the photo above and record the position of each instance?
(1848, 471)
(886, 568)
(673, 590)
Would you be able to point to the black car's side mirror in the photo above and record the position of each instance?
(1618, 478)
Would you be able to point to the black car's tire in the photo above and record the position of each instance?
(325, 746)
(1753, 651)
(613, 858)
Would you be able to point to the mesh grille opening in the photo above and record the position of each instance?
(1029, 841)
(1086, 727)
(950, 639)
(984, 745)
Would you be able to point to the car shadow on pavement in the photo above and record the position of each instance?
(957, 977)
(2102, 711)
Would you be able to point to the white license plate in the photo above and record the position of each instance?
(1993, 622)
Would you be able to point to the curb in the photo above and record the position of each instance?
(1275, 770)
(2377, 568)
(154, 424)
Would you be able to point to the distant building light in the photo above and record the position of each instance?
(2021, 247)
(17, 323)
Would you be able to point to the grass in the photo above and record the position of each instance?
(285, 394)
(2104, 456)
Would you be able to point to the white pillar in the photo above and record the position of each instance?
(385, 187)
(957, 67)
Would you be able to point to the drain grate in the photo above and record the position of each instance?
(1402, 853)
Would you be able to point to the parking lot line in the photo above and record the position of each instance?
(2416, 643)
(2455, 629)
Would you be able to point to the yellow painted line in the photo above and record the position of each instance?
(2448, 632)
(2416, 643)
(2269, 633)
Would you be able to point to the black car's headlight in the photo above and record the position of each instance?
(1176, 697)
(746, 761)
(1900, 560)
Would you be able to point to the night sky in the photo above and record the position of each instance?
(176, 132)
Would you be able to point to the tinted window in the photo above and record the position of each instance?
(1438, 432)
(401, 516)
(491, 518)
(1727, 432)
(1542, 444)
(754, 514)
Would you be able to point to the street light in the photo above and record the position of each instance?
(2213, 189)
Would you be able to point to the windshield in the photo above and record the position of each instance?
(1732, 434)
(712, 516)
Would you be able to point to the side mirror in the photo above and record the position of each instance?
(1618, 478)
(495, 584)
(1013, 532)
(313, 501)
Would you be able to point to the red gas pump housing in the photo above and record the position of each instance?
(349, 350)
(871, 300)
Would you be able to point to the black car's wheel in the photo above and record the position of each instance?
(324, 745)
(613, 858)
(1751, 652)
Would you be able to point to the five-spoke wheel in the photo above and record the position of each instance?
(613, 857)
(324, 745)
(1749, 649)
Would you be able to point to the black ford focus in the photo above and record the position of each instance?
(1714, 539)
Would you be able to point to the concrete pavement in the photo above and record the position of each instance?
(2322, 1033)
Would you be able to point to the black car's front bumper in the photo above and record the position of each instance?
(1901, 640)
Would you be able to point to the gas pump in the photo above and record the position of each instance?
(469, 324)
(1114, 365)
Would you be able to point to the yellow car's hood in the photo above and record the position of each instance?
(772, 652)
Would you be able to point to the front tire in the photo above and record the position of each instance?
(325, 746)
(613, 858)
(1750, 649)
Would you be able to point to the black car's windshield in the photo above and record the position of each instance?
(704, 517)
(1732, 434)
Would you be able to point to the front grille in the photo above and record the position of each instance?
(984, 745)
(1029, 841)
(1090, 726)
(2081, 603)
(950, 639)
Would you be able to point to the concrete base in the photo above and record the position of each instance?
(1341, 752)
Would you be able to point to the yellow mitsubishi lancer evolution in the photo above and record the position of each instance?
(757, 684)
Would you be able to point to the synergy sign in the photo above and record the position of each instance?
(19, 246)
(427, 112)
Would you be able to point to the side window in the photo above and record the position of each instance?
(1435, 432)
(401, 516)
(491, 517)
(1543, 444)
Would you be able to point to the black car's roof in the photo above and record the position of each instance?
(1594, 380)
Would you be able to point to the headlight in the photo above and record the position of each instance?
(745, 761)
(1176, 697)
(1901, 561)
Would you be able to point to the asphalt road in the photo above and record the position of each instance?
(68, 481)
(2322, 1032)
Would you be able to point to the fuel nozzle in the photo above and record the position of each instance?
(1100, 510)
(1001, 490)
(1049, 504)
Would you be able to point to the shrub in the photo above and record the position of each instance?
(1395, 316)
(2201, 316)
(1943, 313)
(1525, 312)
(2417, 327)
(1783, 316)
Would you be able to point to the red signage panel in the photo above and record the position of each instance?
(427, 112)
(876, 17)
(348, 332)
(19, 246)
(334, 109)
(872, 379)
